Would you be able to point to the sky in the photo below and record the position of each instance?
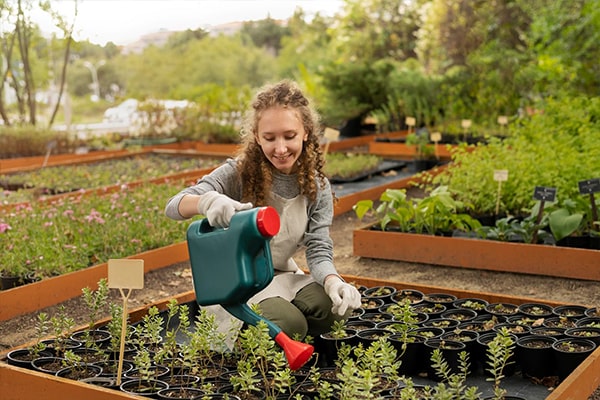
(124, 21)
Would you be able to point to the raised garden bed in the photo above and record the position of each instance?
(482, 254)
(50, 291)
(20, 383)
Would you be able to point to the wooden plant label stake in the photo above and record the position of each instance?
(410, 122)
(591, 186)
(125, 274)
(503, 120)
(466, 124)
(500, 175)
(435, 137)
(330, 135)
(542, 194)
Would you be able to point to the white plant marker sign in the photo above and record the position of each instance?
(500, 175)
(330, 135)
(435, 137)
(125, 275)
(410, 122)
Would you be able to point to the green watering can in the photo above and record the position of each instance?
(231, 265)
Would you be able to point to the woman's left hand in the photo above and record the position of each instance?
(344, 296)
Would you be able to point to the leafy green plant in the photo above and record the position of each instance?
(169, 351)
(453, 385)
(262, 365)
(96, 301)
(62, 325)
(499, 353)
(436, 213)
(423, 147)
(440, 212)
(42, 328)
(394, 207)
(348, 165)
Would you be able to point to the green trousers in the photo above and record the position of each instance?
(309, 313)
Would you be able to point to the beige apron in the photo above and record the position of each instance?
(288, 279)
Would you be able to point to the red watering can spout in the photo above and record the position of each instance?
(297, 353)
(231, 265)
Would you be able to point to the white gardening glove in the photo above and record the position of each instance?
(219, 209)
(344, 296)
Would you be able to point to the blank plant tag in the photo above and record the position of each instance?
(411, 121)
(466, 123)
(331, 134)
(435, 137)
(501, 175)
(125, 274)
(503, 120)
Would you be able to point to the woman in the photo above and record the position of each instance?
(280, 164)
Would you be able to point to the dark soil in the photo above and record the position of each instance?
(167, 282)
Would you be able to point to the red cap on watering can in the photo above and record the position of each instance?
(267, 222)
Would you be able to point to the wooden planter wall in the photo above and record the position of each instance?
(19, 383)
(520, 258)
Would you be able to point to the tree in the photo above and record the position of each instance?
(372, 30)
(267, 33)
(23, 50)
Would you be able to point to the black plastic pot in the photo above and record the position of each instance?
(535, 356)
(566, 360)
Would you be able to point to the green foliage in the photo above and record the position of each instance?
(554, 149)
(261, 361)
(67, 235)
(439, 212)
(66, 178)
(499, 353)
(348, 165)
(423, 147)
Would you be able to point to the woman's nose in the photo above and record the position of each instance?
(280, 146)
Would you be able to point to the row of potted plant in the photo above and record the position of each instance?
(180, 352)
(441, 213)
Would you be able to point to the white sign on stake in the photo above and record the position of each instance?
(435, 137)
(411, 121)
(331, 134)
(501, 175)
(503, 120)
(466, 123)
(125, 274)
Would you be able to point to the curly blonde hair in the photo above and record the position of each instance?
(256, 172)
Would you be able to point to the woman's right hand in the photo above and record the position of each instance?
(219, 209)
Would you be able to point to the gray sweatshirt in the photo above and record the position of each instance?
(317, 241)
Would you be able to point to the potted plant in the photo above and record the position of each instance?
(96, 302)
(569, 353)
(330, 342)
(24, 357)
(534, 355)
(75, 368)
(424, 158)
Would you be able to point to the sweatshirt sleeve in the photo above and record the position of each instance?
(224, 179)
(318, 242)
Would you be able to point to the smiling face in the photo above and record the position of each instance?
(281, 136)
